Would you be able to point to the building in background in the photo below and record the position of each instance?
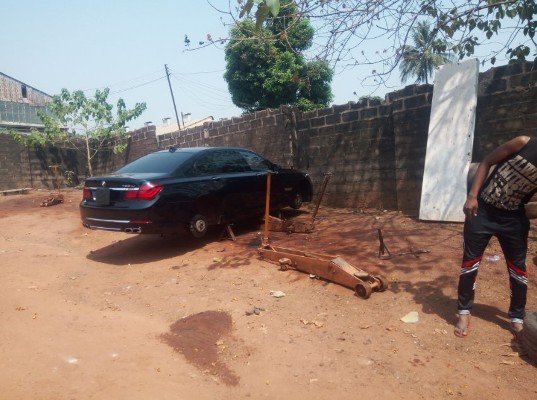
(169, 126)
(19, 104)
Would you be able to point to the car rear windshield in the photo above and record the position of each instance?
(165, 162)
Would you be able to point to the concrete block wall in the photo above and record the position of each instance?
(506, 106)
(140, 142)
(30, 167)
(375, 151)
(355, 143)
(40, 161)
(14, 173)
(266, 132)
(411, 109)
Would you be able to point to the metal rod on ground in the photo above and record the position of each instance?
(384, 253)
(321, 195)
(173, 98)
(265, 240)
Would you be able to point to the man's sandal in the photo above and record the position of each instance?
(515, 331)
(460, 331)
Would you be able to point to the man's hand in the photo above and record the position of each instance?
(470, 207)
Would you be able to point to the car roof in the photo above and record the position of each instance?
(199, 149)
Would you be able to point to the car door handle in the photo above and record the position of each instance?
(215, 178)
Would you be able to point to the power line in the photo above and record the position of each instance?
(123, 81)
(208, 105)
(203, 87)
(199, 72)
(137, 86)
(195, 90)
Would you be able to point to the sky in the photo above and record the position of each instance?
(123, 45)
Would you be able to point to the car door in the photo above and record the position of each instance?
(260, 167)
(226, 180)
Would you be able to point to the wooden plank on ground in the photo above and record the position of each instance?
(15, 191)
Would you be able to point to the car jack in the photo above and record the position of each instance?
(329, 267)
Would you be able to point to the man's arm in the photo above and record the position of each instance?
(503, 151)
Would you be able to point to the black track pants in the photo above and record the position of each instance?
(511, 229)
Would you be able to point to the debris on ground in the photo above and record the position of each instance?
(52, 200)
(254, 310)
(277, 293)
(411, 318)
(313, 322)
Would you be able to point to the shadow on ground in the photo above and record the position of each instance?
(142, 249)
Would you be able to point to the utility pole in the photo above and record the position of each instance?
(173, 99)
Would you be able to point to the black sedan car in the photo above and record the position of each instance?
(189, 188)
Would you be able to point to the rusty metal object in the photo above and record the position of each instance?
(297, 225)
(52, 200)
(265, 238)
(228, 233)
(326, 266)
(384, 253)
(329, 267)
(327, 177)
(415, 252)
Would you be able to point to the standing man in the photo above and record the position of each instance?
(495, 207)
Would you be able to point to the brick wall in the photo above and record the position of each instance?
(375, 151)
(266, 132)
(31, 167)
(141, 142)
(13, 164)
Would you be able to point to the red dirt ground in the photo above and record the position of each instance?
(103, 315)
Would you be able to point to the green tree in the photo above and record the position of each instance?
(271, 72)
(421, 59)
(350, 31)
(88, 125)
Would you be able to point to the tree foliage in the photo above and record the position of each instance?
(271, 72)
(420, 59)
(85, 124)
(346, 29)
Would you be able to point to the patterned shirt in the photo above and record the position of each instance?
(514, 180)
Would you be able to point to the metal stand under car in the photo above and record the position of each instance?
(329, 267)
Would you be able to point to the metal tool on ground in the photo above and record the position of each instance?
(384, 253)
(228, 233)
(297, 225)
(329, 267)
(415, 252)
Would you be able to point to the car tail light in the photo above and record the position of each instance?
(147, 191)
(131, 194)
(86, 194)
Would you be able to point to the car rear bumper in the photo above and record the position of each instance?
(128, 221)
